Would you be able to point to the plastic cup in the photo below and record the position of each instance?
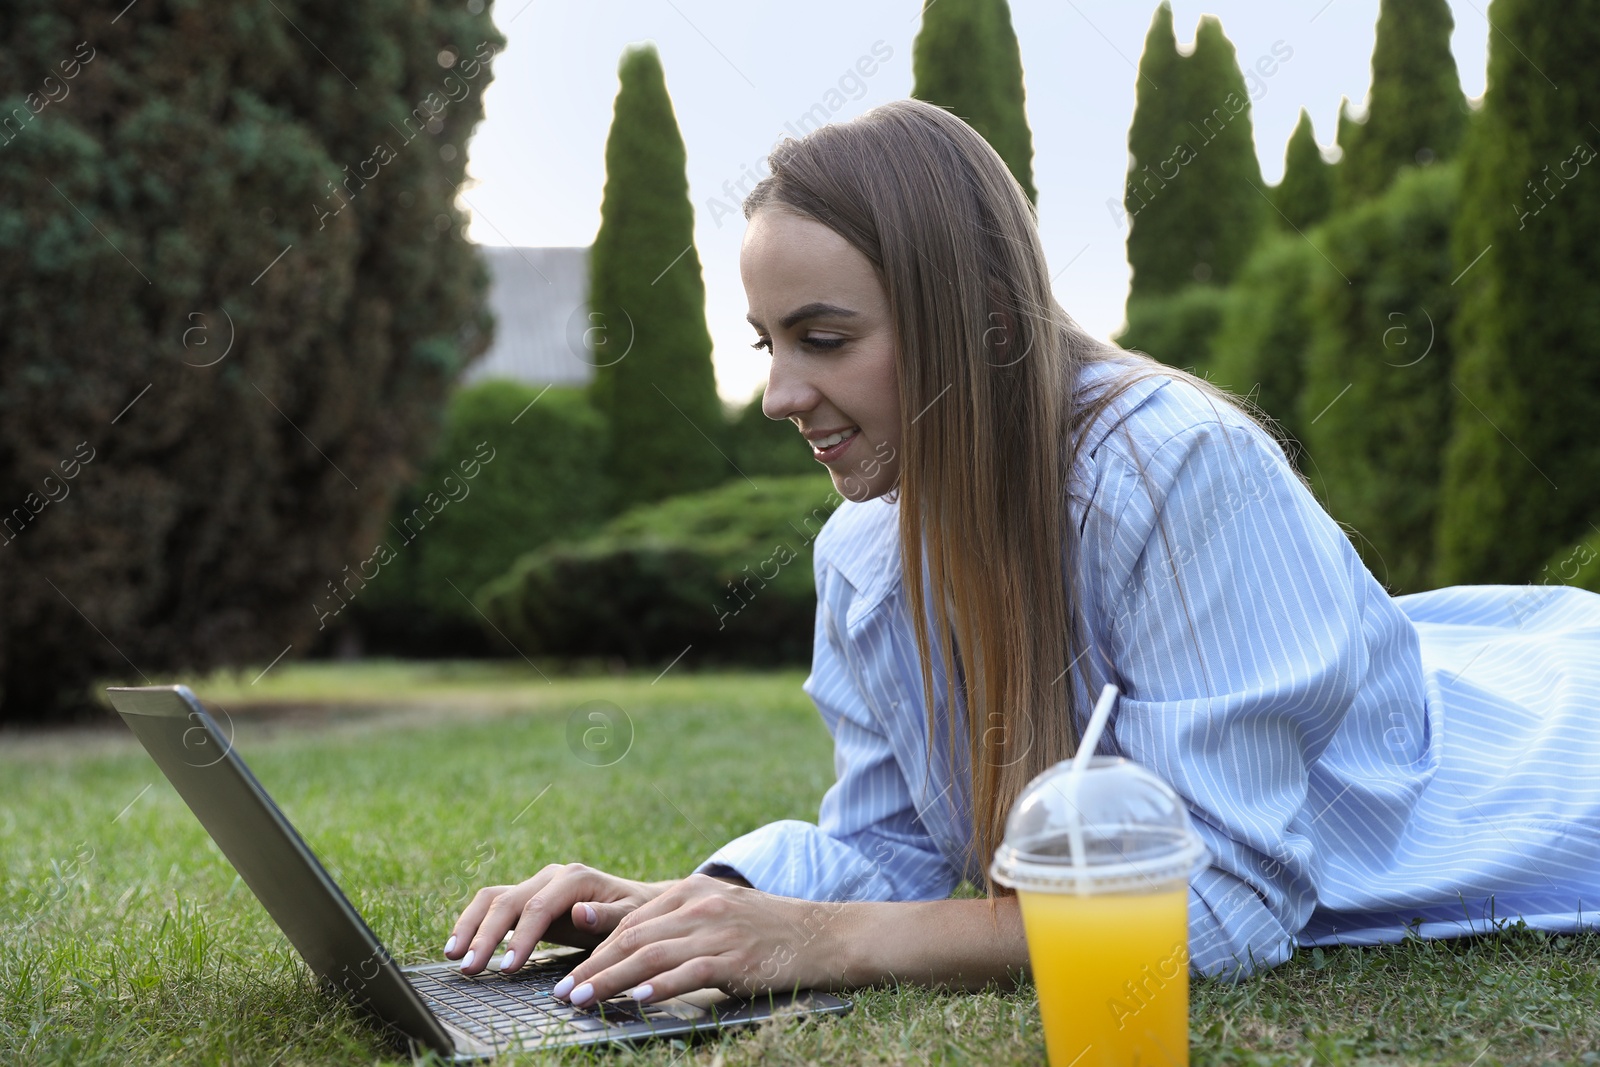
(1101, 863)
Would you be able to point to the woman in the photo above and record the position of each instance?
(1086, 515)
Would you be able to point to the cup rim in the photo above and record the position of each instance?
(1018, 871)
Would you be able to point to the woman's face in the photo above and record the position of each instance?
(818, 307)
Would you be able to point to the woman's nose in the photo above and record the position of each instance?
(789, 390)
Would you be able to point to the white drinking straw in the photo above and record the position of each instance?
(1080, 763)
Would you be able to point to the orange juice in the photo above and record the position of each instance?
(1100, 851)
(1112, 973)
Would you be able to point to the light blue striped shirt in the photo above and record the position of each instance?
(1355, 762)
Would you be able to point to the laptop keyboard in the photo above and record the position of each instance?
(505, 1008)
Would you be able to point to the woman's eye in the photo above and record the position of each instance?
(822, 343)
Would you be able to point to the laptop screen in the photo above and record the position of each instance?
(280, 869)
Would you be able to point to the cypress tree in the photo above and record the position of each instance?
(235, 290)
(1374, 409)
(1523, 458)
(1229, 168)
(1193, 198)
(1345, 136)
(966, 59)
(1305, 194)
(654, 380)
(1158, 94)
(1416, 111)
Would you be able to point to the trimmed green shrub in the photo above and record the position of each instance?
(652, 351)
(1193, 197)
(234, 289)
(760, 445)
(727, 572)
(966, 60)
(1375, 407)
(1261, 344)
(1416, 111)
(1524, 458)
(1177, 328)
(517, 466)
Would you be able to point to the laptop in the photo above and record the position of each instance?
(429, 1006)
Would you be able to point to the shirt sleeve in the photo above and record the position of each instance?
(868, 842)
(1233, 606)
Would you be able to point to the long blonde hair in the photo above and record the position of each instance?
(987, 363)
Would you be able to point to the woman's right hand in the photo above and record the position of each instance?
(567, 903)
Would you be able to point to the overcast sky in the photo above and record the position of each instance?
(739, 72)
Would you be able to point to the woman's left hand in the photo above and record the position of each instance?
(702, 932)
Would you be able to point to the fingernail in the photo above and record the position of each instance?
(562, 987)
(643, 992)
(467, 960)
(450, 945)
(588, 915)
(583, 993)
(505, 964)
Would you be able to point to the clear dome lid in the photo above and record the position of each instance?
(1117, 829)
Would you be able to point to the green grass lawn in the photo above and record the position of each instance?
(125, 938)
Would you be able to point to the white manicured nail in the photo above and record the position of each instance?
(467, 960)
(449, 946)
(505, 964)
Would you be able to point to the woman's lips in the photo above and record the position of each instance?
(828, 455)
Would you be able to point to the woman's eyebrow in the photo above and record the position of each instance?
(815, 309)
